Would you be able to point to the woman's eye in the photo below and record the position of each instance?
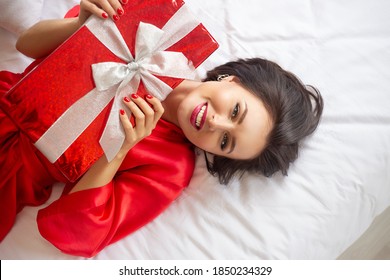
(225, 141)
(236, 110)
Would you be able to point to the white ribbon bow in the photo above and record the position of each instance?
(117, 80)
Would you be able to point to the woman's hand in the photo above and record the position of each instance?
(101, 8)
(45, 36)
(146, 113)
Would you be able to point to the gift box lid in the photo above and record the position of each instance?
(41, 98)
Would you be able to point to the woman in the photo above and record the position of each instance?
(249, 114)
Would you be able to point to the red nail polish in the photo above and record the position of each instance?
(122, 112)
(124, 2)
(134, 96)
(148, 96)
(120, 11)
(126, 99)
(115, 17)
(104, 15)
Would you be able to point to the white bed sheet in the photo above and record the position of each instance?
(341, 180)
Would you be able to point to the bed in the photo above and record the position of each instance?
(333, 192)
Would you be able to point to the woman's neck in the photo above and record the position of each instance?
(173, 100)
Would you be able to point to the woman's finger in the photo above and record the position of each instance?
(109, 7)
(156, 106)
(139, 116)
(102, 8)
(131, 137)
(147, 110)
(116, 9)
(146, 113)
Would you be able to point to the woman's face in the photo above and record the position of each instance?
(223, 118)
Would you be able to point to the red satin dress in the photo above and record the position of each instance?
(151, 177)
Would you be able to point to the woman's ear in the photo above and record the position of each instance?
(227, 78)
(233, 78)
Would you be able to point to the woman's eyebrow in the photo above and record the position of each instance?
(241, 119)
(232, 146)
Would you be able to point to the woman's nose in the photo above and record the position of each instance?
(219, 123)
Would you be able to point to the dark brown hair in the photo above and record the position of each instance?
(294, 108)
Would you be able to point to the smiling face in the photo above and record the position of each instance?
(224, 118)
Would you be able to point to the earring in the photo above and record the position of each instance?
(222, 76)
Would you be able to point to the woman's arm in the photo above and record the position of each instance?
(85, 222)
(146, 118)
(45, 36)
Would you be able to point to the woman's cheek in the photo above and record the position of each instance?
(205, 144)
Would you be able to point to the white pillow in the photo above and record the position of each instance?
(16, 15)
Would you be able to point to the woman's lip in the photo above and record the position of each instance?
(195, 114)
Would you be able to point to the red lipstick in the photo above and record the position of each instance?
(198, 116)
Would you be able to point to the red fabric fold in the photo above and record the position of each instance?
(25, 180)
(153, 175)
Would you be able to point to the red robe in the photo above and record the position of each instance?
(152, 175)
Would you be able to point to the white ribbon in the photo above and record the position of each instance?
(117, 80)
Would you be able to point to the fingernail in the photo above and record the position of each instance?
(124, 1)
(126, 99)
(122, 112)
(148, 96)
(104, 15)
(120, 11)
(115, 17)
(134, 96)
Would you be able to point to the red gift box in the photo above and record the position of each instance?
(65, 77)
